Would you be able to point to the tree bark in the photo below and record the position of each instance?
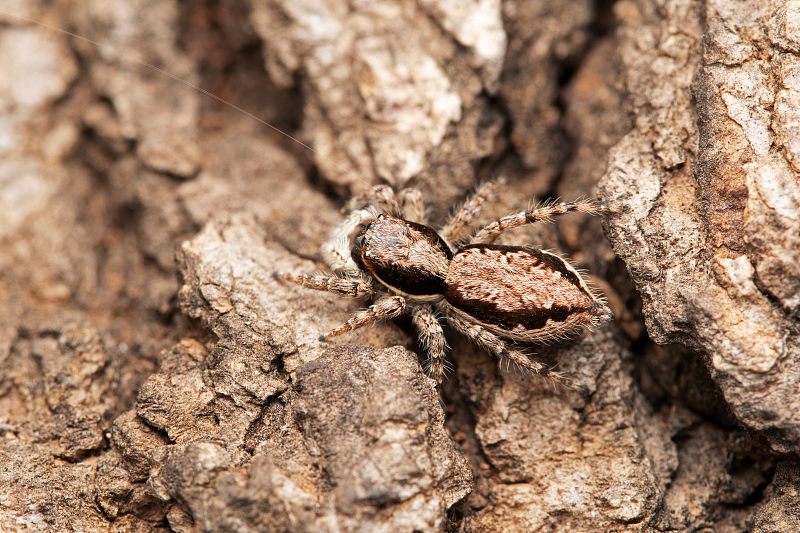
(155, 376)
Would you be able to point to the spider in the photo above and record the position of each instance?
(493, 294)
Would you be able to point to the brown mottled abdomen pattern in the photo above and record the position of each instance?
(519, 292)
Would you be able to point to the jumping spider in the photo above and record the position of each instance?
(493, 294)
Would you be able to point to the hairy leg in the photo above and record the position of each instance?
(336, 251)
(541, 213)
(380, 197)
(497, 346)
(412, 206)
(432, 339)
(459, 225)
(349, 287)
(407, 204)
(384, 309)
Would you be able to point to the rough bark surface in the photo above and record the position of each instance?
(154, 376)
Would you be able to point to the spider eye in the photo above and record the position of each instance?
(355, 251)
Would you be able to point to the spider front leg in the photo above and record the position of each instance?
(544, 212)
(382, 198)
(406, 204)
(336, 251)
(459, 225)
(355, 287)
(498, 347)
(384, 309)
(412, 206)
(431, 337)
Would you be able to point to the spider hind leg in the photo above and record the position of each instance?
(499, 348)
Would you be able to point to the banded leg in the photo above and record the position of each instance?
(412, 206)
(336, 251)
(431, 336)
(355, 287)
(380, 197)
(541, 213)
(459, 225)
(497, 346)
(383, 309)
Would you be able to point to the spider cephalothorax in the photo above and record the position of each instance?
(491, 293)
(408, 258)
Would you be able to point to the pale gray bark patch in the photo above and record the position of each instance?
(711, 236)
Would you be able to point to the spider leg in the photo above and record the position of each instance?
(412, 206)
(432, 339)
(541, 213)
(336, 251)
(354, 287)
(383, 309)
(407, 204)
(497, 346)
(459, 225)
(380, 197)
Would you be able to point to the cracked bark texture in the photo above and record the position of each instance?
(154, 376)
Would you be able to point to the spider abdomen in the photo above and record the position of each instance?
(519, 292)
